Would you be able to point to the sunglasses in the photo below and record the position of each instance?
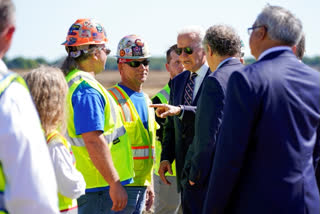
(187, 50)
(135, 64)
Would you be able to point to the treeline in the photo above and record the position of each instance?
(156, 63)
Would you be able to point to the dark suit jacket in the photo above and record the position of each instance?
(207, 122)
(178, 133)
(269, 140)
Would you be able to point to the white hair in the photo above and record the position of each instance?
(197, 30)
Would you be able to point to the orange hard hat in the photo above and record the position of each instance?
(86, 32)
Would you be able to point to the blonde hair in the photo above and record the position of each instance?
(48, 88)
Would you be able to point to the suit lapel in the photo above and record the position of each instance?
(200, 88)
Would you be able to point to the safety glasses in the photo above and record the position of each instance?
(187, 50)
(135, 64)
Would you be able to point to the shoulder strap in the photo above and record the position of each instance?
(121, 99)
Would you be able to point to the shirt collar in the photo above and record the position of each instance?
(224, 61)
(274, 49)
(3, 66)
(202, 70)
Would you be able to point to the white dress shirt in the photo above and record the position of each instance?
(30, 180)
(198, 80)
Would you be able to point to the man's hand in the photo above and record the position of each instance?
(165, 166)
(118, 196)
(164, 110)
(191, 183)
(149, 197)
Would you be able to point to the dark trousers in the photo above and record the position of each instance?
(192, 198)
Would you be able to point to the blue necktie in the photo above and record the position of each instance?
(188, 91)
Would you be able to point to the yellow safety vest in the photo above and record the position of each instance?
(114, 133)
(65, 203)
(142, 140)
(6, 78)
(163, 96)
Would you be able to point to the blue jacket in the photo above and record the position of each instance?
(178, 133)
(209, 113)
(269, 141)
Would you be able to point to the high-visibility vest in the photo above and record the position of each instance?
(163, 96)
(142, 140)
(114, 133)
(6, 78)
(65, 203)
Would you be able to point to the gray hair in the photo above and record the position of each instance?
(301, 47)
(197, 31)
(222, 40)
(7, 13)
(281, 24)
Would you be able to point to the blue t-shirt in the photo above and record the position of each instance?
(139, 103)
(88, 107)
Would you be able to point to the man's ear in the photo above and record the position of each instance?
(8, 34)
(261, 33)
(167, 67)
(209, 50)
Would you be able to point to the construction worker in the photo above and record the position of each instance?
(139, 119)
(27, 181)
(95, 130)
(167, 200)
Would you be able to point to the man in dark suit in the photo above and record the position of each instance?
(222, 45)
(269, 141)
(185, 90)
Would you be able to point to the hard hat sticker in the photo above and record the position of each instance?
(138, 42)
(137, 51)
(122, 53)
(85, 33)
(72, 40)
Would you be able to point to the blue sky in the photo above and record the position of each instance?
(42, 25)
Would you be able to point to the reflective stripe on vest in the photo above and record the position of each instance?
(114, 136)
(165, 94)
(125, 108)
(8, 78)
(141, 152)
(109, 138)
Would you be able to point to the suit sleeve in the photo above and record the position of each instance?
(207, 123)
(316, 155)
(168, 142)
(159, 120)
(234, 137)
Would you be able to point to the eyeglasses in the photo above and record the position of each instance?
(250, 29)
(187, 50)
(135, 64)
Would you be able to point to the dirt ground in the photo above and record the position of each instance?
(155, 82)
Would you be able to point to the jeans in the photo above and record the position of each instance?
(136, 200)
(101, 203)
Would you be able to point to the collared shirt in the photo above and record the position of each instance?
(198, 80)
(224, 61)
(274, 49)
(31, 186)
